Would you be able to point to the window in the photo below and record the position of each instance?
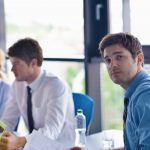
(139, 22)
(115, 16)
(57, 25)
(112, 101)
(72, 72)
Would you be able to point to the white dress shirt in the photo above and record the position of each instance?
(52, 107)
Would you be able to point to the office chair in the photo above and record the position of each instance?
(86, 103)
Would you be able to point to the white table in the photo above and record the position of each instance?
(95, 141)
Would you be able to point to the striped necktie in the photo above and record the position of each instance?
(29, 110)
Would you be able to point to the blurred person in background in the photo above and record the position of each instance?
(4, 85)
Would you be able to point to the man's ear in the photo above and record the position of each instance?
(34, 62)
(140, 58)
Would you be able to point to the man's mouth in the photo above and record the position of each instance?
(113, 73)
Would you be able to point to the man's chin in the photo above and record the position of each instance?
(116, 81)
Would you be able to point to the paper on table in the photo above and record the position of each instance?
(37, 141)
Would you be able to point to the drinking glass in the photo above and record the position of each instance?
(108, 141)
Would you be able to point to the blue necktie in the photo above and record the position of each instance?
(29, 110)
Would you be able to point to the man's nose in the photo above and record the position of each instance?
(113, 63)
(12, 68)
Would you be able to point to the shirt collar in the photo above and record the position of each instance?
(36, 83)
(141, 75)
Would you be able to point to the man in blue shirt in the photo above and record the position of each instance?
(4, 85)
(4, 89)
(124, 58)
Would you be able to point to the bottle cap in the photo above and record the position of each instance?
(79, 110)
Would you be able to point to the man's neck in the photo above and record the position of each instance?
(34, 76)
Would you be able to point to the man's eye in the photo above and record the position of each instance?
(107, 61)
(119, 57)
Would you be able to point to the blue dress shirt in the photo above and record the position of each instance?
(137, 135)
(4, 89)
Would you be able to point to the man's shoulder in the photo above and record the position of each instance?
(53, 82)
(145, 83)
(53, 78)
(49, 75)
(143, 86)
(142, 91)
(4, 83)
(4, 86)
(18, 84)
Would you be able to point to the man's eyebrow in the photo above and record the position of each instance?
(115, 53)
(106, 57)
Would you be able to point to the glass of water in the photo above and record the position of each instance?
(108, 141)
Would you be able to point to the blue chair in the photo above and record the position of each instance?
(86, 103)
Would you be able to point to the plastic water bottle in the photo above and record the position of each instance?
(80, 129)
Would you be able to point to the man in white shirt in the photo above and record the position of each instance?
(52, 103)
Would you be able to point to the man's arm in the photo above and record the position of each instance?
(3, 96)
(142, 117)
(11, 112)
(58, 103)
